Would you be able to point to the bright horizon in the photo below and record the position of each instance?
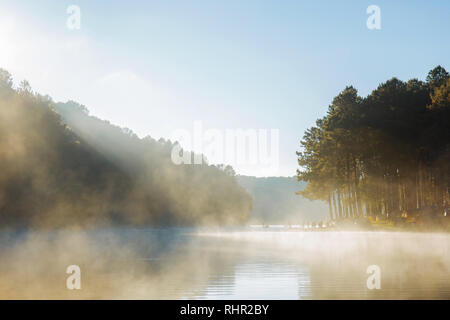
(158, 67)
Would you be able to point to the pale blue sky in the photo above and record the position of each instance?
(157, 66)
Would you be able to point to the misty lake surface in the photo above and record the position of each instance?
(186, 263)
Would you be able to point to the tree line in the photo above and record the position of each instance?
(62, 167)
(384, 154)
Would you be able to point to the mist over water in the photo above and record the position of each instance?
(189, 263)
(130, 188)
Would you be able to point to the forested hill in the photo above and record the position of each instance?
(275, 201)
(384, 154)
(62, 167)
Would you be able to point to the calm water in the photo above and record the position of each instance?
(225, 264)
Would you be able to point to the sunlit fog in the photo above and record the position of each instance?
(224, 150)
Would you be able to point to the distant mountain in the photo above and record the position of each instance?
(275, 201)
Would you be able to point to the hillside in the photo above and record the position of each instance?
(62, 167)
(275, 201)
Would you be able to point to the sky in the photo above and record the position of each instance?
(159, 66)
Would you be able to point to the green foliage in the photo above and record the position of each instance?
(383, 154)
(62, 167)
(437, 77)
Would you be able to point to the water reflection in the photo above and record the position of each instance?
(224, 264)
(260, 280)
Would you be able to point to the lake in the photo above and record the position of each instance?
(241, 263)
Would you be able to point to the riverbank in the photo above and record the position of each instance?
(436, 224)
